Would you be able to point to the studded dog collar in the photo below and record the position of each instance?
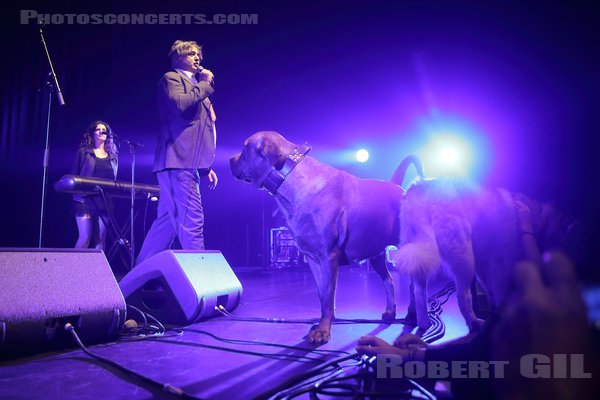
(276, 177)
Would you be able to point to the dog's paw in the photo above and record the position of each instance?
(476, 325)
(318, 335)
(388, 316)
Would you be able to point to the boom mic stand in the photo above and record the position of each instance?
(54, 87)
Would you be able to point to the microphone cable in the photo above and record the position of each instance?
(165, 387)
(158, 333)
(435, 302)
(268, 344)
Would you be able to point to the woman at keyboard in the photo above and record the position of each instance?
(97, 157)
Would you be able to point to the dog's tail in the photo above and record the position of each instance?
(399, 175)
(416, 258)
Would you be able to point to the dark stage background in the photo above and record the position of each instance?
(524, 77)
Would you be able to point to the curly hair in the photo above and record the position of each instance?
(88, 138)
(182, 47)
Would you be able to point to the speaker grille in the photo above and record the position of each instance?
(42, 289)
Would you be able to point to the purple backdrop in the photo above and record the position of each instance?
(524, 79)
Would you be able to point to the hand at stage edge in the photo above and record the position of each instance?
(212, 179)
(372, 346)
(409, 341)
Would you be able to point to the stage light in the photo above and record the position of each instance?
(362, 155)
(452, 146)
(448, 154)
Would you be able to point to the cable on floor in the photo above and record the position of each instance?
(166, 387)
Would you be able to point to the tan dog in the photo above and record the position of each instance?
(335, 217)
(470, 230)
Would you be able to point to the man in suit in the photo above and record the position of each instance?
(185, 151)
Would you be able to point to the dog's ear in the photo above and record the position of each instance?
(261, 145)
(272, 153)
(269, 150)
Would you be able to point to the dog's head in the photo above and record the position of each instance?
(263, 152)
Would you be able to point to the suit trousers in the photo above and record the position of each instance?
(179, 214)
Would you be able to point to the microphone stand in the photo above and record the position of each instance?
(132, 147)
(53, 86)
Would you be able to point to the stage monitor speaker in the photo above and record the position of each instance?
(43, 289)
(182, 287)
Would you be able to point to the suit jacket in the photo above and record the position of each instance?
(187, 126)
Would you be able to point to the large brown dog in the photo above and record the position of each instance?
(335, 217)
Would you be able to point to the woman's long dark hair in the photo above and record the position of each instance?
(88, 138)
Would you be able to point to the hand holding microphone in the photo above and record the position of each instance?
(205, 74)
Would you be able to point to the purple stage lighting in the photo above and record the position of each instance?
(362, 155)
(451, 146)
(448, 154)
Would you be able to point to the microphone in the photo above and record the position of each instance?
(199, 69)
(132, 143)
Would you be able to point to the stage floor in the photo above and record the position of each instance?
(208, 368)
